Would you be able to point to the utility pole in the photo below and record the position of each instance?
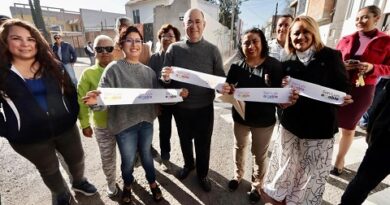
(232, 25)
(274, 21)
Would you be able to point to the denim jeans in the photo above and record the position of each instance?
(136, 138)
(70, 70)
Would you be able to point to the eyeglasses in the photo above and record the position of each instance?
(249, 42)
(108, 49)
(132, 41)
(167, 36)
(56, 38)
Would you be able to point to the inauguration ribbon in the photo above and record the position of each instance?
(266, 95)
(197, 78)
(128, 96)
(317, 92)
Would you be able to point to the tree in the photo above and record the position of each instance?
(36, 13)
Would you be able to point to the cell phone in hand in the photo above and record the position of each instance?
(352, 61)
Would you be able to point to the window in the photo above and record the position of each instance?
(136, 16)
(376, 2)
(350, 7)
(301, 7)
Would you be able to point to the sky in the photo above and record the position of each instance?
(253, 12)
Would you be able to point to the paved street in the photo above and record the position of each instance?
(20, 183)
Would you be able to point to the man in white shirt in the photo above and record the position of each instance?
(276, 46)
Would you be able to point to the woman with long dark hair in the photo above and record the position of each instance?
(39, 108)
(255, 70)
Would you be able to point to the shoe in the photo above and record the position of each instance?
(185, 172)
(205, 184)
(363, 126)
(233, 184)
(126, 195)
(165, 166)
(156, 193)
(112, 191)
(85, 188)
(64, 198)
(254, 196)
(336, 171)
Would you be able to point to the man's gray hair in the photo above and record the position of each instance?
(101, 38)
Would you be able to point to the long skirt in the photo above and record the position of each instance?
(298, 169)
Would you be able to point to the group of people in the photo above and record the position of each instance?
(302, 153)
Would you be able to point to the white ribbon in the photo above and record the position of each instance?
(267, 95)
(197, 78)
(317, 92)
(128, 96)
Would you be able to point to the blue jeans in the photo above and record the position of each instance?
(138, 137)
(70, 70)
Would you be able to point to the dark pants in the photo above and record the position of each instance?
(165, 126)
(378, 90)
(43, 156)
(373, 169)
(195, 124)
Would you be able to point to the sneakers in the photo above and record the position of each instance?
(205, 184)
(112, 191)
(254, 196)
(165, 166)
(126, 195)
(156, 193)
(64, 198)
(233, 184)
(85, 188)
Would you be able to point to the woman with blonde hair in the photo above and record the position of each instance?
(302, 153)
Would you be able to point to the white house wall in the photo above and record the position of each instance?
(324, 31)
(214, 32)
(145, 9)
(95, 20)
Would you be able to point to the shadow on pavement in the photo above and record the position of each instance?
(348, 175)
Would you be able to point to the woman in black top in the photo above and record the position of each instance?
(255, 70)
(302, 153)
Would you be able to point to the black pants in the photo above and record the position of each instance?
(379, 88)
(373, 169)
(195, 124)
(43, 156)
(165, 128)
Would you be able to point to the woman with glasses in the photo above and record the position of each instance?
(38, 109)
(255, 70)
(132, 125)
(302, 153)
(89, 80)
(121, 25)
(167, 35)
(366, 55)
